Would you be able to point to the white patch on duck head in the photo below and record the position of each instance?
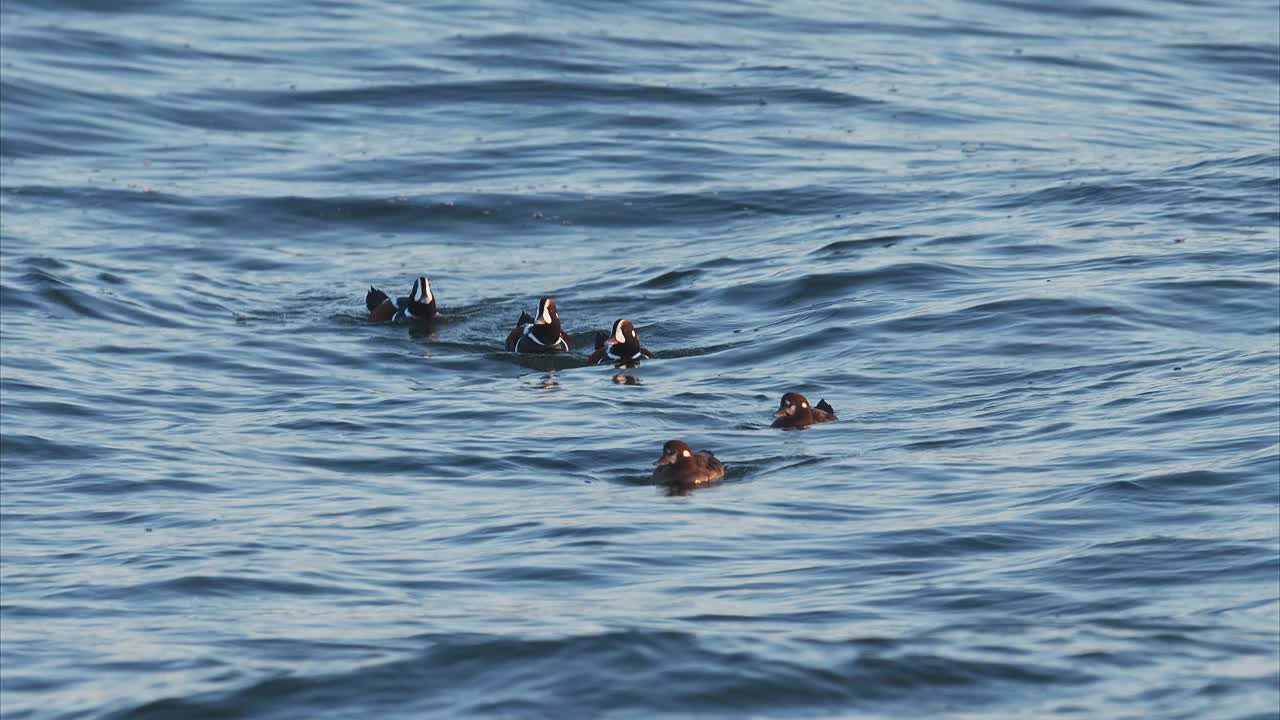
(422, 291)
(685, 453)
(619, 336)
(545, 311)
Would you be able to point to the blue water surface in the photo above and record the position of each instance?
(1030, 252)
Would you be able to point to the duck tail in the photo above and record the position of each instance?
(826, 407)
(525, 319)
(374, 298)
(601, 336)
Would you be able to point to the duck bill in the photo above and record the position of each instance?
(781, 413)
(665, 460)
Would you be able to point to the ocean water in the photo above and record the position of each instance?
(1030, 251)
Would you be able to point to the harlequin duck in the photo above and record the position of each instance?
(621, 346)
(541, 334)
(680, 466)
(420, 306)
(794, 412)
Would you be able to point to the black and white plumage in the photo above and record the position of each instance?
(540, 333)
(419, 306)
(621, 346)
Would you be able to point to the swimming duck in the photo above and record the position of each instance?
(541, 334)
(794, 412)
(420, 306)
(680, 466)
(621, 346)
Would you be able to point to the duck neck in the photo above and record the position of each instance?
(624, 351)
(547, 334)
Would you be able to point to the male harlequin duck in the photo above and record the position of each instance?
(541, 334)
(680, 466)
(621, 346)
(420, 306)
(794, 412)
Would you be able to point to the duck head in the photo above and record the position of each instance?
(673, 452)
(625, 336)
(791, 404)
(421, 293)
(547, 314)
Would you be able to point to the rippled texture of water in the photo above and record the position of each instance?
(1029, 251)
